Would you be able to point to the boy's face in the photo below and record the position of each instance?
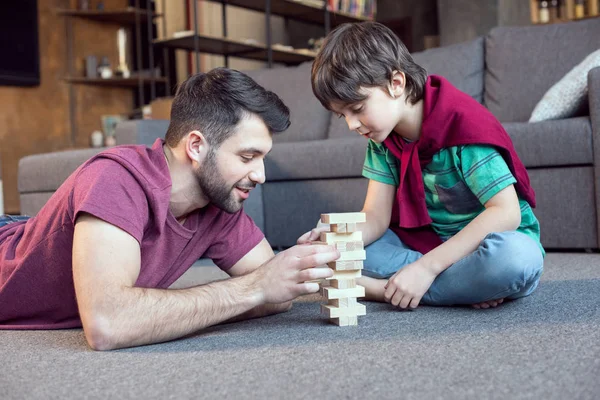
(375, 117)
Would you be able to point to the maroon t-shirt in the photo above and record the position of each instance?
(126, 186)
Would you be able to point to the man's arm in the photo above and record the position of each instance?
(256, 257)
(115, 314)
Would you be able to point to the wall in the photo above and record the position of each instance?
(421, 13)
(463, 20)
(36, 119)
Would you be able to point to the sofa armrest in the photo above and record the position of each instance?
(594, 98)
(594, 105)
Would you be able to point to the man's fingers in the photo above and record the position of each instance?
(308, 250)
(308, 288)
(311, 274)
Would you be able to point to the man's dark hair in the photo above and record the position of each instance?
(366, 54)
(214, 102)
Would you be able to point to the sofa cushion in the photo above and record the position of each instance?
(141, 131)
(568, 97)
(553, 143)
(314, 159)
(462, 64)
(309, 120)
(524, 62)
(46, 172)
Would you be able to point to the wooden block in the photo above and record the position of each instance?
(341, 275)
(349, 246)
(343, 283)
(351, 227)
(333, 293)
(338, 228)
(353, 255)
(343, 302)
(335, 312)
(332, 237)
(348, 265)
(343, 218)
(344, 321)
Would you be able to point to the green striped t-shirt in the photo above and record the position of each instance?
(458, 182)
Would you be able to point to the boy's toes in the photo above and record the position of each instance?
(488, 304)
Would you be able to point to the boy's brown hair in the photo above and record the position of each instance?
(366, 54)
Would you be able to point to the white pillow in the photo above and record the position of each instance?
(569, 95)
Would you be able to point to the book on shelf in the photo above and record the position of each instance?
(357, 8)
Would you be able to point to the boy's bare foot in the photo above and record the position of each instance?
(488, 304)
(374, 288)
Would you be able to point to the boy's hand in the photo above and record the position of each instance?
(407, 286)
(314, 234)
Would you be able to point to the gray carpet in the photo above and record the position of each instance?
(544, 346)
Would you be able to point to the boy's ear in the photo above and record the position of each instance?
(397, 84)
(196, 146)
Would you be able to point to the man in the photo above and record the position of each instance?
(131, 220)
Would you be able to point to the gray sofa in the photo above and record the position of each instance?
(316, 165)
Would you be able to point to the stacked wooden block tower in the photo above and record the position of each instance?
(341, 295)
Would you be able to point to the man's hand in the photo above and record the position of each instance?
(314, 234)
(285, 276)
(407, 286)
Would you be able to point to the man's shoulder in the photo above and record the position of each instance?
(139, 161)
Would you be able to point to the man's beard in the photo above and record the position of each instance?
(214, 187)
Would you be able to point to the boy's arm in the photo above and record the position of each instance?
(115, 313)
(407, 287)
(378, 210)
(502, 213)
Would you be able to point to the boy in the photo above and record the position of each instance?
(449, 204)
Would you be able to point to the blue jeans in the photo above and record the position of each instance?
(8, 219)
(505, 265)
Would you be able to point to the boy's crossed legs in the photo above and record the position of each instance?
(506, 265)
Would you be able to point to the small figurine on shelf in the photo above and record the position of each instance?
(122, 69)
(110, 141)
(91, 67)
(96, 139)
(544, 14)
(104, 69)
(83, 5)
(100, 5)
(579, 9)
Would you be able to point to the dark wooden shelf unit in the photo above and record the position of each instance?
(297, 11)
(234, 48)
(130, 82)
(125, 16)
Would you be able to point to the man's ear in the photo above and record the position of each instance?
(196, 146)
(397, 84)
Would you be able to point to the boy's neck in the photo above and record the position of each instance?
(409, 127)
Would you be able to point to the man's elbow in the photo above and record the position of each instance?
(99, 334)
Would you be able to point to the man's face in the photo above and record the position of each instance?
(373, 118)
(229, 173)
